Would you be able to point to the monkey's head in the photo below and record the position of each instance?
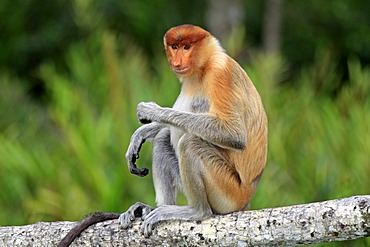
(185, 48)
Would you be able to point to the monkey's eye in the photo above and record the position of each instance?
(174, 47)
(187, 47)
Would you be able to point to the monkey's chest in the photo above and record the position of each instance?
(186, 105)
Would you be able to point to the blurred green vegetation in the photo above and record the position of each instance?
(62, 157)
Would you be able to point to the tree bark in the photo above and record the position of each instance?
(335, 220)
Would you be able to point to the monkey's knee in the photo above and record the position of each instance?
(162, 139)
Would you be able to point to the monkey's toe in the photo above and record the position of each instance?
(147, 228)
(126, 220)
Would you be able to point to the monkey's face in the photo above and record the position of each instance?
(179, 57)
(183, 45)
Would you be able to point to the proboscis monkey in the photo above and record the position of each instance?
(212, 144)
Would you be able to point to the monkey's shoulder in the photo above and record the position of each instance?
(199, 104)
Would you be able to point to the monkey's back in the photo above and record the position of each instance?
(251, 161)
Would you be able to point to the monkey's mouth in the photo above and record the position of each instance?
(181, 70)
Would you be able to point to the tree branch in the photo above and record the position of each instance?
(335, 220)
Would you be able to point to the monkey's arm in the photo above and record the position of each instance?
(227, 134)
(141, 135)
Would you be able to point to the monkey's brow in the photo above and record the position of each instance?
(179, 36)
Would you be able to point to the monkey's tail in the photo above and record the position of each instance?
(85, 223)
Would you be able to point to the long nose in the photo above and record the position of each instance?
(177, 61)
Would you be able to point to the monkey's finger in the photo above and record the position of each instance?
(132, 158)
(126, 219)
(141, 172)
(145, 211)
(139, 147)
(144, 121)
(147, 228)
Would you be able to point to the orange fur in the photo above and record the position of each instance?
(204, 69)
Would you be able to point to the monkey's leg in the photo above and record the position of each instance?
(165, 176)
(196, 157)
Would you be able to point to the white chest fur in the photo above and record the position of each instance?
(187, 103)
(184, 104)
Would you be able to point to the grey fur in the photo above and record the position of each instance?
(190, 142)
(185, 129)
(203, 125)
(142, 134)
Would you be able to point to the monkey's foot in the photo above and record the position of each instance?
(172, 212)
(138, 210)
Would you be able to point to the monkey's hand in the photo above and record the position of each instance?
(141, 135)
(132, 155)
(147, 112)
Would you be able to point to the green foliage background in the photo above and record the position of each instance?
(62, 156)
